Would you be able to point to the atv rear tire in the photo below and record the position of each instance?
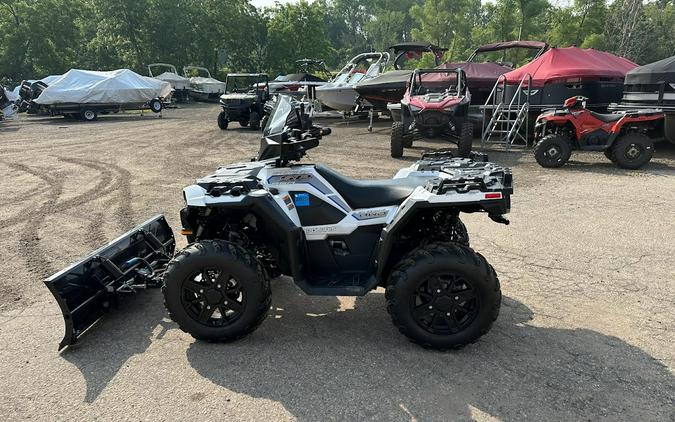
(632, 150)
(408, 141)
(465, 141)
(553, 151)
(216, 291)
(222, 120)
(397, 141)
(609, 155)
(254, 120)
(443, 296)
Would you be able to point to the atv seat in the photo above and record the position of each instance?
(370, 193)
(607, 118)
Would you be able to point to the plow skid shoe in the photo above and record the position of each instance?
(87, 290)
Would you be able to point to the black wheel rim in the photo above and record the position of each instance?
(633, 151)
(552, 153)
(445, 304)
(213, 298)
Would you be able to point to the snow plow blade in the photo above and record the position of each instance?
(91, 287)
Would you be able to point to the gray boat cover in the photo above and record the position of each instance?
(121, 86)
(653, 73)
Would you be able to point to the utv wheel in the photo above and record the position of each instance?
(397, 140)
(89, 115)
(254, 120)
(553, 151)
(216, 291)
(155, 105)
(408, 141)
(609, 155)
(465, 141)
(222, 120)
(632, 151)
(443, 296)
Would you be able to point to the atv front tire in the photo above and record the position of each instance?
(216, 291)
(632, 150)
(254, 120)
(222, 120)
(397, 141)
(553, 151)
(465, 141)
(443, 296)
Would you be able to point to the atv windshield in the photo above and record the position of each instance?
(438, 82)
(279, 116)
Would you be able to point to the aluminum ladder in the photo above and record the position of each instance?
(507, 123)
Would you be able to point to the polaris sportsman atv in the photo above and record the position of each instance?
(436, 103)
(244, 100)
(626, 138)
(250, 222)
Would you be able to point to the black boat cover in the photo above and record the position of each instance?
(416, 46)
(299, 77)
(653, 73)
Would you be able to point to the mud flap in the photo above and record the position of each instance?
(88, 289)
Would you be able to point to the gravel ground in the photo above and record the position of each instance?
(585, 332)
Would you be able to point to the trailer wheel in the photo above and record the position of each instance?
(89, 115)
(465, 141)
(632, 150)
(397, 141)
(155, 105)
(216, 291)
(222, 120)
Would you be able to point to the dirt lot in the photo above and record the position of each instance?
(586, 330)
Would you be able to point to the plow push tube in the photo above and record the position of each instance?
(86, 290)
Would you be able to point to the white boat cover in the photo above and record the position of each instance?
(207, 84)
(121, 86)
(176, 81)
(12, 95)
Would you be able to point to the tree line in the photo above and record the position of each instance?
(42, 37)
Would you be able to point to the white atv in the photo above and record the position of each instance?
(250, 222)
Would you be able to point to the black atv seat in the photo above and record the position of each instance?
(607, 118)
(370, 193)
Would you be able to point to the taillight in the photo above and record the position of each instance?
(497, 195)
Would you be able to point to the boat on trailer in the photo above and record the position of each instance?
(339, 93)
(203, 87)
(652, 86)
(180, 84)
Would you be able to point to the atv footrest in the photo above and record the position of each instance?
(86, 290)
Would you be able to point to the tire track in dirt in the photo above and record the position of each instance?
(90, 195)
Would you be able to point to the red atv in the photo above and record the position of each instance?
(626, 138)
(436, 103)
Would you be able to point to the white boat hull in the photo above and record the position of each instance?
(341, 98)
